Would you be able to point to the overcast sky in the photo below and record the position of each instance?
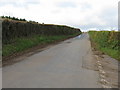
(83, 14)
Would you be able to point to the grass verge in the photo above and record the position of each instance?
(24, 43)
(111, 52)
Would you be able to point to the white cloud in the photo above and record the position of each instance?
(85, 14)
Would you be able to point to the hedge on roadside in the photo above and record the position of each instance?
(108, 41)
(15, 29)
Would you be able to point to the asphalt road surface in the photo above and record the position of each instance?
(60, 66)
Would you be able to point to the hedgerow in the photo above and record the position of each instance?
(107, 41)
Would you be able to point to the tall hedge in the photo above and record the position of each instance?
(107, 39)
(14, 29)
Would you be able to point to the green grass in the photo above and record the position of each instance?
(111, 52)
(24, 43)
(107, 42)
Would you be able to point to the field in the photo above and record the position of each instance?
(107, 42)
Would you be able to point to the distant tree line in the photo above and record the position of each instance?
(13, 18)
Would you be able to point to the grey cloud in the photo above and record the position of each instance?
(88, 26)
(94, 25)
(108, 15)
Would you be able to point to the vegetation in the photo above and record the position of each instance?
(17, 19)
(14, 29)
(24, 43)
(107, 42)
(18, 36)
(13, 18)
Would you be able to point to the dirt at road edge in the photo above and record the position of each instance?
(108, 69)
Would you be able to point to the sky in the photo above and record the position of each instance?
(83, 14)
